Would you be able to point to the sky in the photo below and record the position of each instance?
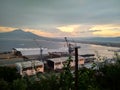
(60, 18)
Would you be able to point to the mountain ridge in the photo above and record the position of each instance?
(19, 34)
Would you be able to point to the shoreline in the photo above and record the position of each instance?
(110, 44)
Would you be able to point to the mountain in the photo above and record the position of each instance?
(19, 34)
(20, 39)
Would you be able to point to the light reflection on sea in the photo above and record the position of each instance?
(105, 51)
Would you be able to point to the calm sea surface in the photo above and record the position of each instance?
(7, 45)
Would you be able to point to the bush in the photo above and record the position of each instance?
(4, 85)
(8, 73)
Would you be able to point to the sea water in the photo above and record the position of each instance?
(104, 51)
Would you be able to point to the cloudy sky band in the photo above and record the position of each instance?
(62, 17)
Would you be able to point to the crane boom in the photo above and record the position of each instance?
(67, 41)
(70, 46)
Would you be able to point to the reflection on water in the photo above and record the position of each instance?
(103, 51)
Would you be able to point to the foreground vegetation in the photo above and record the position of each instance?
(107, 77)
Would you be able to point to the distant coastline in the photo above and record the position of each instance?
(8, 44)
(110, 44)
(21, 39)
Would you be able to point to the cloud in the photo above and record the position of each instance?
(87, 31)
(108, 33)
(108, 30)
(39, 32)
(94, 30)
(68, 28)
(78, 30)
(106, 27)
(59, 18)
(7, 29)
(15, 13)
(35, 31)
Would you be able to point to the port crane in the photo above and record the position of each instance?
(70, 46)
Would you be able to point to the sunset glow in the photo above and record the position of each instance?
(68, 28)
(74, 31)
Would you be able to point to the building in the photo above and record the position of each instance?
(58, 63)
(32, 51)
(30, 67)
(88, 57)
(39, 53)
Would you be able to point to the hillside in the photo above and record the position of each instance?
(21, 39)
(19, 34)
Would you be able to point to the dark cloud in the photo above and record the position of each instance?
(38, 13)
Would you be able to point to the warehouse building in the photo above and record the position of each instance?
(58, 63)
(30, 67)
